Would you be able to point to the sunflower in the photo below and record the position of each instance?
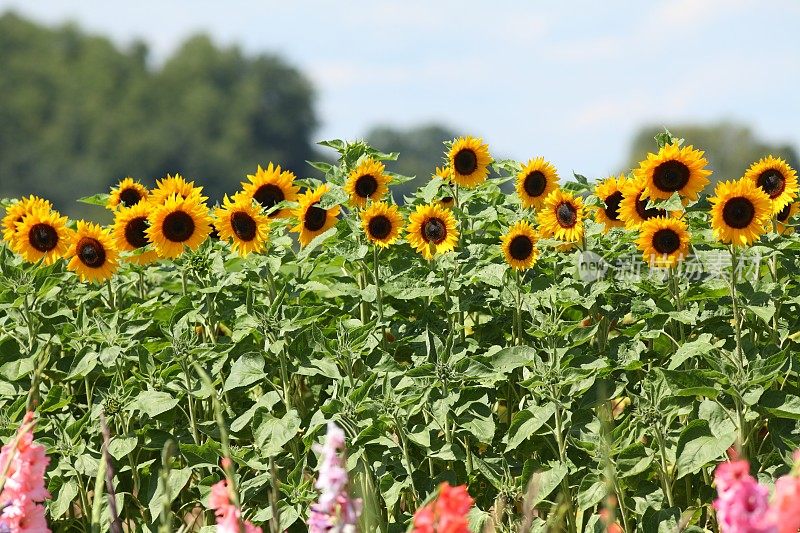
(609, 191)
(176, 223)
(42, 234)
(447, 202)
(783, 217)
(242, 221)
(633, 208)
(312, 220)
(739, 211)
(537, 179)
(130, 232)
(270, 187)
(175, 185)
(92, 254)
(561, 216)
(664, 241)
(776, 178)
(432, 230)
(17, 211)
(382, 223)
(127, 193)
(445, 172)
(367, 182)
(519, 245)
(469, 160)
(674, 169)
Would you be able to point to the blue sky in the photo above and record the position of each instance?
(570, 80)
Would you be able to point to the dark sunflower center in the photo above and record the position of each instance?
(783, 214)
(612, 205)
(379, 227)
(135, 232)
(521, 247)
(644, 212)
(738, 212)
(315, 218)
(666, 241)
(43, 237)
(434, 230)
(129, 197)
(465, 162)
(535, 183)
(671, 176)
(178, 226)
(91, 252)
(269, 195)
(566, 214)
(366, 186)
(772, 182)
(243, 226)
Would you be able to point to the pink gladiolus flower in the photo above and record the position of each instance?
(23, 489)
(786, 504)
(743, 504)
(229, 517)
(335, 511)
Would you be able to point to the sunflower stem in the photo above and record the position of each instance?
(378, 295)
(111, 303)
(676, 294)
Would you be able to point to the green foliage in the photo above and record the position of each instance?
(540, 390)
(79, 113)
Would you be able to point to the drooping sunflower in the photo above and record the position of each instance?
(674, 169)
(382, 223)
(664, 241)
(127, 193)
(633, 208)
(175, 185)
(92, 254)
(432, 230)
(447, 202)
(130, 233)
(784, 216)
(312, 220)
(177, 223)
(271, 186)
(17, 211)
(469, 160)
(240, 220)
(740, 211)
(367, 181)
(561, 216)
(537, 179)
(776, 178)
(519, 245)
(42, 235)
(609, 191)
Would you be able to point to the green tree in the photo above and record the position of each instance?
(730, 148)
(77, 113)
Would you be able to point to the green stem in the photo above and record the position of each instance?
(666, 481)
(189, 399)
(379, 295)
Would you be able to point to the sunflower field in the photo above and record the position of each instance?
(506, 350)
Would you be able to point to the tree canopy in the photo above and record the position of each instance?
(77, 113)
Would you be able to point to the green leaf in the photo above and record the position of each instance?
(175, 483)
(248, 369)
(547, 481)
(120, 446)
(273, 433)
(692, 382)
(527, 422)
(100, 199)
(698, 446)
(508, 359)
(697, 347)
(66, 494)
(633, 460)
(153, 403)
(781, 404)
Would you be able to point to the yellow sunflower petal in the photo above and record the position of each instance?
(271, 186)
(664, 241)
(242, 222)
(776, 178)
(312, 220)
(42, 234)
(469, 160)
(178, 223)
(537, 179)
(368, 181)
(561, 216)
(127, 193)
(609, 192)
(674, 169)
(130, 233)
(740, 211)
